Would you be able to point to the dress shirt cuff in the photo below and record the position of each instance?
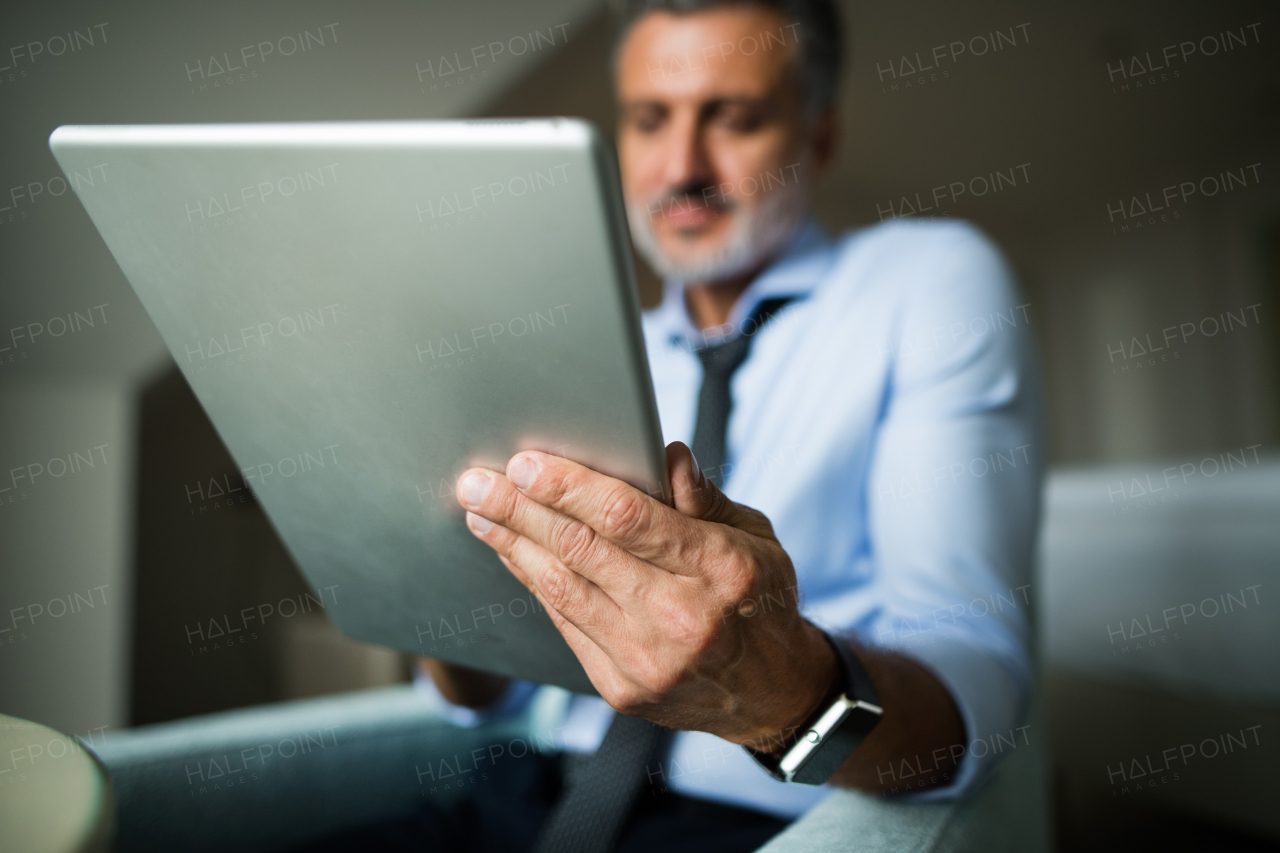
(992, 705)
(514, 699)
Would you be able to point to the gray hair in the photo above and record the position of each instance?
(821, 51)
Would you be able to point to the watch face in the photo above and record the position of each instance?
(853, 722)
(811, 741)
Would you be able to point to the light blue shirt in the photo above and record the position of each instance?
(887, 422)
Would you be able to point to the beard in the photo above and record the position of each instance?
(756, 234)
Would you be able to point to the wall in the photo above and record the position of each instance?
(65, 386)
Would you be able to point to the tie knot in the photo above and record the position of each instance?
(726, 357)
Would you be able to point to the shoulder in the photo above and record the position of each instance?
(920, 248)
(929, 267)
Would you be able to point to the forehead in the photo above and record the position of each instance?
(721, 52)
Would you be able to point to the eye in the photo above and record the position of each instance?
(739, 117)
(646, 118)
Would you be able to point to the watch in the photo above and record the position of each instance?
(844, 719)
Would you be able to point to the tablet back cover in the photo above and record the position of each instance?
(365, 310)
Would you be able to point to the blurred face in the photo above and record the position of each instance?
(715, 148)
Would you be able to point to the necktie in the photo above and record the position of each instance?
(719, 361)
(590, 815)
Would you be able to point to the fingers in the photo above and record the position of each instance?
(698, 497)
(694, 495)
(599, 666)
(620, 513)
(593, 625)
(567, 592)
(571, 543)
(587, 511)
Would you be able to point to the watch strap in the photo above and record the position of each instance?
(856, 683)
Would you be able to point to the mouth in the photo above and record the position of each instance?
(688, 215)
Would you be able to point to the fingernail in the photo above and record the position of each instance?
(479, 524)
(472, 489)
(522, 471)
(697, 469)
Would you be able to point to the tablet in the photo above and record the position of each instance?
(365, 310)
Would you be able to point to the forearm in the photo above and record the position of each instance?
(921, 725)
(462, 686)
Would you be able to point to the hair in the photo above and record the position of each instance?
(821, 53)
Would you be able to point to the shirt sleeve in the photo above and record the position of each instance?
(953, 499)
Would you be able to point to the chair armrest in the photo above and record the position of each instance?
(1008, 813)
(260, 778)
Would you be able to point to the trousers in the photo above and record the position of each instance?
(505, 807)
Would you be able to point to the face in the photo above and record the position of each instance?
(714, 143)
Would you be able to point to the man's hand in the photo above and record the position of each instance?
(462, 685)
(686, 616)
(689, 615)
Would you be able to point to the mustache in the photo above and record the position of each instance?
(700, 194)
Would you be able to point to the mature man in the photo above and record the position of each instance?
(865, 417)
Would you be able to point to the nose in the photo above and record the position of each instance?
(687, 163)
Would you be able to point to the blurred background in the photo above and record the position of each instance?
(155, 538)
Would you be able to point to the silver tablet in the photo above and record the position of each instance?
(367, 309)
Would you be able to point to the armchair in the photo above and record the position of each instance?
(261, 778)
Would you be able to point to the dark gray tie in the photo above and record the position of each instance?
(590, 815)
(715, 402)
(601, 794)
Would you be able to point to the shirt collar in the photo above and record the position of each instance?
(798, 269)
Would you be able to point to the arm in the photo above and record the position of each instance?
(921, 725)
(953, 500)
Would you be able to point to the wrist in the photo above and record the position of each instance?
(819, 675)
(825, 741)
(463, 686)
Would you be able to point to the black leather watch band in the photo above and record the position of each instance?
(826, 740)
(856, 683)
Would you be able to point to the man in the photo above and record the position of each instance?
(842, 502)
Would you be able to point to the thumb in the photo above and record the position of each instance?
(697, 497)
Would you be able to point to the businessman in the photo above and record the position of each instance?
(853, 526)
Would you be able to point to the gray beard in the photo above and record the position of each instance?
(757, 235)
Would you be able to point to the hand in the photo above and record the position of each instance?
(462, 685)
(687, 616)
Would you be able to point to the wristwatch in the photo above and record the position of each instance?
(846, 716)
